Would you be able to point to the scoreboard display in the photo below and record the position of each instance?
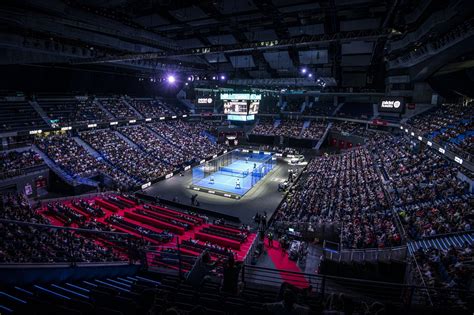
(235, 107)
(241, 104)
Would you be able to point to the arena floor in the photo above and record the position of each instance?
(227, 181)
(264, 196)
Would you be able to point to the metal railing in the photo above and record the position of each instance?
(364, 290)
(23, 171)
(370, 254)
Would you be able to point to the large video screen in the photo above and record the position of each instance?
(241, 103)
(392, 105)
(238, 107)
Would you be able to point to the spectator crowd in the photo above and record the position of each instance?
(13, 163)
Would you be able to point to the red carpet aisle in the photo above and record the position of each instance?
(282, 262)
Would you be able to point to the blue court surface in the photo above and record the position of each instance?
(227, 178)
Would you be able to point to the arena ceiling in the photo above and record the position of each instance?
(341, 39)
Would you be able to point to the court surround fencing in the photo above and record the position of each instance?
(234, 173)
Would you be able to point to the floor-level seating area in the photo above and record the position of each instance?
(144, 223)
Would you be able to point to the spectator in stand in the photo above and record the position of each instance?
(118, 107)
(13, 163)
(343, 190)
(77, 162)
(289, 128)
(28, 243)
(450, 125)
(231, 276)
(151, 108)
(315, 130)
(133, 161)
(264, 127)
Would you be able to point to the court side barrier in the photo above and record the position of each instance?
(371, 254)
(365, 290)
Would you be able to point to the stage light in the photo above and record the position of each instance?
(310, 75)
(214, 77)
(304, 70)
(190, 78)
(222, 77)
(171, 79)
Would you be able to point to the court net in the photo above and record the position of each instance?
(233, 172)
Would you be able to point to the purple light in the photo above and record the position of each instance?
(222, 77)
(304, 70)
(310, 75)
(189, 78)
(171, 79)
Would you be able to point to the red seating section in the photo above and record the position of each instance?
(157, 219)
(107, 205)
(149, 221)
(218, 240)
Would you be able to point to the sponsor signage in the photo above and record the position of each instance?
(392, 105)
(113, 123)
(146, 185)
(205, 100)
(91, 125)
(458, 159)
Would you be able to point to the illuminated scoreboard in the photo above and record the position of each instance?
(241, 106)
